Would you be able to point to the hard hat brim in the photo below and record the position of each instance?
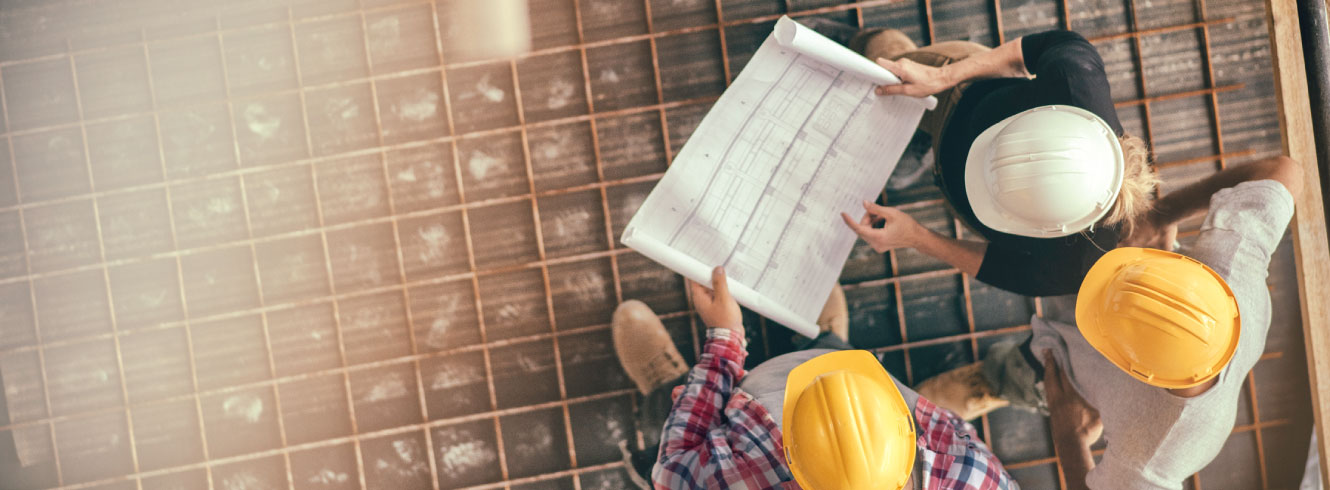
(855, 361)
(1094, 330)
(985, 205)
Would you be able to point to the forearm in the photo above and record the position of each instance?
(964, 255)
(1195, 198)
(1074, 455)
(705, 392)
(1005, 61)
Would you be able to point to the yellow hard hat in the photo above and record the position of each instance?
(1164, 318)
(845, 425)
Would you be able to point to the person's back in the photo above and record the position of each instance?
(1157, 438)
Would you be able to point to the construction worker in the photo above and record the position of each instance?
(1161, 343)
(1028, 152)
(818, 419)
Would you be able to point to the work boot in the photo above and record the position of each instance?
(881, 42)
(963, 390)
(835, 316)
(645, 349)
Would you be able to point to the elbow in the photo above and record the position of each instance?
(1286, 171)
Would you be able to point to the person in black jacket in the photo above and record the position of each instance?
(980, 88)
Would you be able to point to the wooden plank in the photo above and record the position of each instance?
(1309, 226)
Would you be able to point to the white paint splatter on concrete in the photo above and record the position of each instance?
(535, 443)
(243, 481)
(151, 299)
(365, 263)
(482, 164)
(586, 286)
(553, 147)
(408, 461)
(261, 122)
(608, 481)
(270, 191)
(437, 337)
(433, 238)
(421, 105)
(631, 203)
(389, 388)
(339, 110)
(429, 171)
(243, 406)
(561, 93)
(509, 313)
(221, 205)
(608, 75)
(572, 223)
(386, 33)
(327, 476)
(488, 91)
(614, 429)
(454, 375)
(528, 364)
(461, 452)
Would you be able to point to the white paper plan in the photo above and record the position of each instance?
(798, 138)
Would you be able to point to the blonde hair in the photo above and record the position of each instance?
(1139, 182)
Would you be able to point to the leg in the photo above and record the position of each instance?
(649, 357)
(1008, 375)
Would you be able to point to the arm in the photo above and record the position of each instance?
(694, 433)
(900, 230)
(918, 80)
(712, 439)
(1075, 424)
(1160, 225)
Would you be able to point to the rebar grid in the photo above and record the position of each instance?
(611, 253)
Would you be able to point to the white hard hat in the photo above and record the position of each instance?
(1047, 172)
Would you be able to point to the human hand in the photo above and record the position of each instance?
(1067, 409)
(1152, 231)
(917, 80)
(716, 307)
(898, 228)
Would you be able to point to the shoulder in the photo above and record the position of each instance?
(1244, 226)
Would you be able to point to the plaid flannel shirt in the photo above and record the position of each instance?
(719, 437)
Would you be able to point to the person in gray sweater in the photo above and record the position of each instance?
(1153, 351)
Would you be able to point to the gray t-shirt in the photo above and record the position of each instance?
(1155, 439)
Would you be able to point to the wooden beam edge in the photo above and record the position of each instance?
(1311, 251)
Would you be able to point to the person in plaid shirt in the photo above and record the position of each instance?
(725, 428)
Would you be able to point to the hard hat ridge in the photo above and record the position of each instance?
(1047, 172)
(845, 425)
(1161, 317)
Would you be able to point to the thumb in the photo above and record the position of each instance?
(718, 282)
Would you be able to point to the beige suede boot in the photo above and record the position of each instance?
(644, 347)
(963, 390)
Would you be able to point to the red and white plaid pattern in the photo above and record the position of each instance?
(719, 437)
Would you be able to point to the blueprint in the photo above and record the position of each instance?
(798, 138)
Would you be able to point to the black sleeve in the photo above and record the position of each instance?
(1068, 70)
(1033, 273)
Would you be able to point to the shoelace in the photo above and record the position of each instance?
(661, 365)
